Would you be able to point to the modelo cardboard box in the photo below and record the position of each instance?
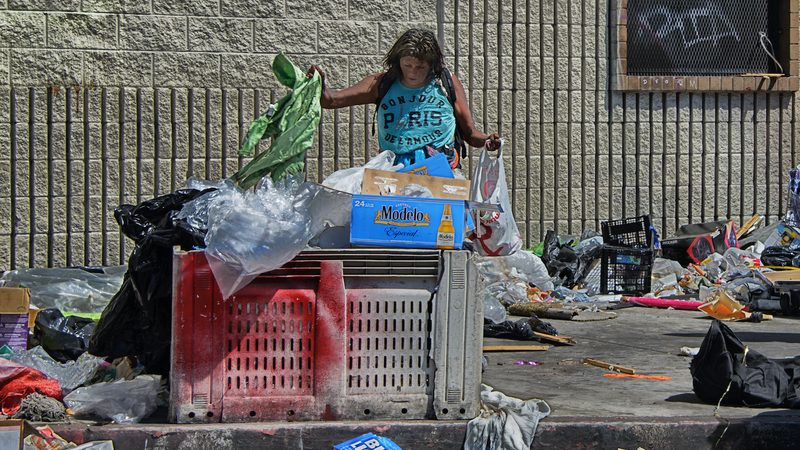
(14, 304)
(694, 243)
(384, 182)
(408, 222)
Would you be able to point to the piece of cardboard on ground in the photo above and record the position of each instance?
(384, 182)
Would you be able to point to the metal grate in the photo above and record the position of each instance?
(697, 37)
(269, 346)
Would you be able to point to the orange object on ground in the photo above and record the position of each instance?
(644, 377)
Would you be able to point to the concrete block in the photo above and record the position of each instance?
(361, 66)
(119, 69)
(395, 10)
(44, 5)
(21, 29)
(348, 38)
(294, 36)
(186, 8)
(335, 67)
(423, 10)
(220, 35)
(253, 8)
(153, 33)
(117, 6)
(82, 31)
(46, 67)
(186, 69)
(4, 79)
(317, 9)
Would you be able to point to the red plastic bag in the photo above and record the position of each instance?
(17, 382)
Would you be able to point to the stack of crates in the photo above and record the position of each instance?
(627, 256)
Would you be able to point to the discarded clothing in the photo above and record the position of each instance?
(504, 423)
(728, 372)
(17, 382)
(41, 408)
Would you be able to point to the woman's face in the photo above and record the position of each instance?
(415, 71)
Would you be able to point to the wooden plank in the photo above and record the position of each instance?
(747, 225)
(566, 340)
(609, 366)
(516, 348)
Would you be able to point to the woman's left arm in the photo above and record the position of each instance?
(472, 135)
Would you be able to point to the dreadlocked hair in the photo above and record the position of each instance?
(420, 44)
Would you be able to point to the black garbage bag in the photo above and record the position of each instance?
(137, 321)
(755, 380)
(781, 256)
(520, 330)
(63, 338)
(564, 262)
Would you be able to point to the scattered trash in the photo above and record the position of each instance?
(528, 363)
(522, 329)
(652, 302)
(367, 441)
(504, 423)
(121, 401)
(640, 377)
(723, 307)
(609, 366)
(726, 371)
(70, 374)
(18, 381)
(350, 180)
(689, 351)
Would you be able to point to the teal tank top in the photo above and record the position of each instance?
(412, 119)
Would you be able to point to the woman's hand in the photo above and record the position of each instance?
(493, 142)
(316, 68)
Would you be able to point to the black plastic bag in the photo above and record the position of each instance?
(63, 338)
(137, 321)
(520, 330)
(721, 370)
(780, 256)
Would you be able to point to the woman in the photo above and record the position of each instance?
(416, 119)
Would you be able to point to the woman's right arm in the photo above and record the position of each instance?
(361, 93)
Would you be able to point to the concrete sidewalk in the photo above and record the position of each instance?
(589, 411)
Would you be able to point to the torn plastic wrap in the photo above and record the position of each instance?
(70, 374)
(250, 233)
(70, 290)
(121, 401)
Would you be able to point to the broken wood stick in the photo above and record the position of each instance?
(515, 348)
(566, 340)
(609, 366)
(642, 377)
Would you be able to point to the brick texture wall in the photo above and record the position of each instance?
(108, 102)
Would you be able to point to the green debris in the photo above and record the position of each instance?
(290, 124)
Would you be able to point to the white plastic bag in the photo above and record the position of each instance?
(121, 401)
(504, 423)
(496, 234)
(349, 180)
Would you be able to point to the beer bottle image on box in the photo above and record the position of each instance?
(446, 235)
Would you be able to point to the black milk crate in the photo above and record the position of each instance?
(630, 232)
(625, 270)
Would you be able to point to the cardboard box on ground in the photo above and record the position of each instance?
(14, 318)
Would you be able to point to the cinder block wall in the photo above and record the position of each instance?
(105, 102)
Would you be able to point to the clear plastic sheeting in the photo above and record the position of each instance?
(251, 232)
(195, 212)
(70, 374)
(70, 290)
(492, 308)
(349, 180)
(121, 401)
(522, 265)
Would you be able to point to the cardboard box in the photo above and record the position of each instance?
(435, 166)
(409, 222)
(13, 433)
(14, 304)
(384, 182)
(696, 242)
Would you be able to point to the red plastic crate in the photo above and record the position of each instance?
(326, 337)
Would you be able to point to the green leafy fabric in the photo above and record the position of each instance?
(291, 125)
